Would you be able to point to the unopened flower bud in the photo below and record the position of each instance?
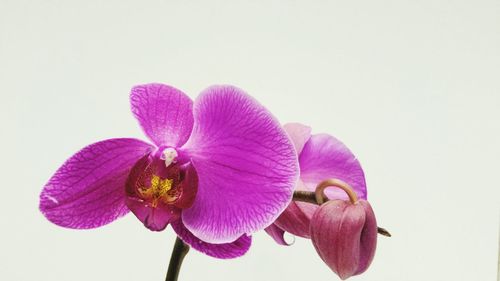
(345, 236)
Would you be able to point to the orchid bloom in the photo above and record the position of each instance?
(218, 169)
(321, 157)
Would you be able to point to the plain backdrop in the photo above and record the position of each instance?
(412, 87)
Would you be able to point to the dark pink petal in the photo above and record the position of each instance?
(222, 251)
(189, 188)
(277, 234)
(164, 113)
(325, 157)
(295, 218)
(299, 134)
(155, 219)
(246, 165)
(88, 190)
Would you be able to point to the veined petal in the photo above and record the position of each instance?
(164, 113)
(299, 134)
(325, 157)
(246, 164)
(222, 251)
(88, 190)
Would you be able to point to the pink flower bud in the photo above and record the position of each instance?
(345, 236)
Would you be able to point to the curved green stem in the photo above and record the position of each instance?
(178, 253)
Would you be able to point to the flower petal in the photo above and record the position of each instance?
(299, 134)
(222, 251)
(189, 188)
(246, 164)
(164, 113)
(155, 219)
(88, 190)
(294, 220)
(277, 234)
(296, 217)
(325, 157)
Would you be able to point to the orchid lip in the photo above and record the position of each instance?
(157, 192)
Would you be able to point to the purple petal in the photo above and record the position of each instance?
(88, 190)
(299, 134)
(246, 165)
(164, 113)
(277, 234)
(325, 157)
(222, 251)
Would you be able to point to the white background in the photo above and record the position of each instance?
(412, 87)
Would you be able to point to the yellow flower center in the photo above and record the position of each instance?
(159, 190)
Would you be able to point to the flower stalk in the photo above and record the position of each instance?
(179, 251)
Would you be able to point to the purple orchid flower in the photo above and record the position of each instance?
(321, 157)
(220, 169)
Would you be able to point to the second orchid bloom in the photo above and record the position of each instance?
(343, 230)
